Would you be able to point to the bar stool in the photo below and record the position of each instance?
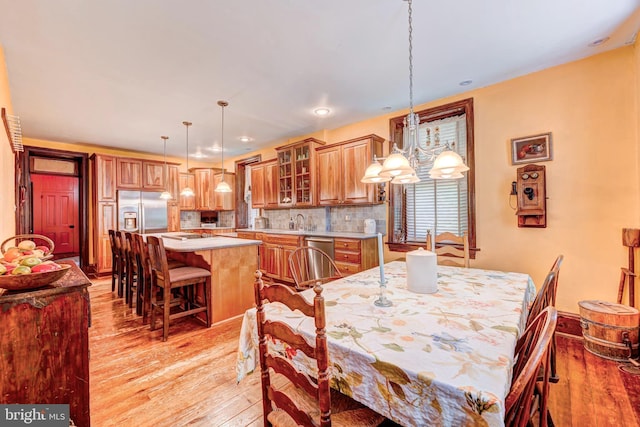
(120, 261)
(115, 261)
(185, 279)
(132, 276)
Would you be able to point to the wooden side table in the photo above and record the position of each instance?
(44, 345)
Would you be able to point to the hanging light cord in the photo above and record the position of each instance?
(187, 124)
(222, 104)
(410, 61)
(165, 160)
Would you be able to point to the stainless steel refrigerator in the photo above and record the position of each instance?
(142, 212)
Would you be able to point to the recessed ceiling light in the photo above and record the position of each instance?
(465, 82)
(245, 139)
(387, 108)
(322, 111)
(598, 42)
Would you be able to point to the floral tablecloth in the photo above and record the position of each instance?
(430, 359)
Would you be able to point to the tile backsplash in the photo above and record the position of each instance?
(340, 218)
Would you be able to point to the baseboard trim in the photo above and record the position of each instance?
(569, 323)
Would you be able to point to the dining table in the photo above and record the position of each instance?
(438, 359)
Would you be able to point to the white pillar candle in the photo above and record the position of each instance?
(381, 257)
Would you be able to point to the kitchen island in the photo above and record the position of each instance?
(232, 263)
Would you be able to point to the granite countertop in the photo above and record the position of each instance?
(319, 233)
(201, 244)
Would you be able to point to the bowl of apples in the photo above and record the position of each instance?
(27, 265)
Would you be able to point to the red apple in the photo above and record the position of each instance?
(10, 267)
(44, 249)
(41, 268)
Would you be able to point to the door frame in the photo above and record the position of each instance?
(24, 211)
(241, 210)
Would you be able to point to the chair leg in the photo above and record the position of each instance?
(167, 312)
(139, 290)
(553, 378)
(114, 272)
(120, 278)
(152, 308)
(207, 299)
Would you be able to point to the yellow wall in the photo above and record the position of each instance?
(7, 195)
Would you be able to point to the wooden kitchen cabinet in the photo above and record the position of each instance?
(354, 255)
(129, 173)
(173, 184)
(187, 203)
(173, 217)
(340, 167)
(204, 200)
(45, 346)
(296, 173)
(224, 201)
(104, 177)
(264, 184)
(274, 255)
(153, 176)
(104, 213)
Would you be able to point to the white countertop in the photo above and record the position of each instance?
(345, 234)
(202, 244)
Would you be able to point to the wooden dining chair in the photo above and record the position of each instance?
(527, 398)
(301, 399)
(545, 297)
(310, 265)
(177, 287)
(452, 250)
(143, 270)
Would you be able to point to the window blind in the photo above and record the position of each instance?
(436, 205)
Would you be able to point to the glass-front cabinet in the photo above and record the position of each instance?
(296, 172)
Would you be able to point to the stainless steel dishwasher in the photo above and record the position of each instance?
(325, 244)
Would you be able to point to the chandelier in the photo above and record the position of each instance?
(165, 195)
(222, 186)
(400, 166)
(187, 191)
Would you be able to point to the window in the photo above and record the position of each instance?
(436, 205)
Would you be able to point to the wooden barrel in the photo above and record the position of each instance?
(607, 327)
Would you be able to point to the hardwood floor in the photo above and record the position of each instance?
(137, 380)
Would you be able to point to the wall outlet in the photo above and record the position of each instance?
(347, 217)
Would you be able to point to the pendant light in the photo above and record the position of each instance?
(222, 186)
(401, 164)
(165, 195)
(186, 191)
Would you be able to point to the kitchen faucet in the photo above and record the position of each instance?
(298, 226)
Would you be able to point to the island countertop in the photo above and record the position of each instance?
(318, 233)
(201, 244)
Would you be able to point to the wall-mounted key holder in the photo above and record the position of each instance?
(531, 196)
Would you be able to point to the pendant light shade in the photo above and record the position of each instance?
(187, 191)
(165, 195)
(372, 174)
(222, 186)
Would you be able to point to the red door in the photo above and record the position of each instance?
(55, 211)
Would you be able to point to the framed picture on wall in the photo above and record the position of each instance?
(531, 149)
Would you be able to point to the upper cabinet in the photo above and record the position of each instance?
(104, 174)
(204, 199)
(224, 201)
(173, 184)
(153, 176)
(129, 173)
(187, 180)
(296, 172)
(136, 174)
(340, 168)
(264, 184)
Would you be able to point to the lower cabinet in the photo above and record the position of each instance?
(274, 255)
(355, 255)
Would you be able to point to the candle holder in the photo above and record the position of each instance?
(382, 300)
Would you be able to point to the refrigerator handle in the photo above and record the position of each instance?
(141, 214)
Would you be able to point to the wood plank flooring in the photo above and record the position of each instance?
(137, 380)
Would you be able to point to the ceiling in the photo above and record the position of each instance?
(121, 73)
